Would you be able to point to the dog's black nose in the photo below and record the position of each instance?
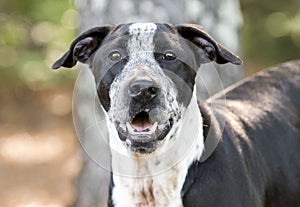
(143, 89)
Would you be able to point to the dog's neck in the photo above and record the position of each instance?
(157, 180)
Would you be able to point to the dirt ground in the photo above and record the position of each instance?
(39, 158)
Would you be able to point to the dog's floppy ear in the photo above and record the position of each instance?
(213, 50)
(83, 47)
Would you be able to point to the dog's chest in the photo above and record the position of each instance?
(156, 191)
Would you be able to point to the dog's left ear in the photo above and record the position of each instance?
(212, 49)
(83, 47)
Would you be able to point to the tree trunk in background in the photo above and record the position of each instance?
(222, 19)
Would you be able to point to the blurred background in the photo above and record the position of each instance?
(39, 158)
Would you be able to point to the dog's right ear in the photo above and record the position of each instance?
(83, 47)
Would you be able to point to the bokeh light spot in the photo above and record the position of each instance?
(42, 33)
(24, 149)
(60, 104)
(276, 24)
(70, 19)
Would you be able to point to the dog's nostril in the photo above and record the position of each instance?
(143, 88)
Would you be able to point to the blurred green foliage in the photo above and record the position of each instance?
(34, 33)
(271, 31)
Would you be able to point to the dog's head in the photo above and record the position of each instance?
(145, 75)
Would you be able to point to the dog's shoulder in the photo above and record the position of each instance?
(261, 109)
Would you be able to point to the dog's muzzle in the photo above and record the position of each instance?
(143, 132)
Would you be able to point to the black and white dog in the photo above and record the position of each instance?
(158, 132)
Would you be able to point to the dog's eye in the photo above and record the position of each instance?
(115, 56)
(169, 56)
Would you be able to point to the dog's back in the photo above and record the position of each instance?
(257, 161)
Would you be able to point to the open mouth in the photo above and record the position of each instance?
(141, 123)
(141, 135)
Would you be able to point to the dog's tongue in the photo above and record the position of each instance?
(141, 122)
(141, 126)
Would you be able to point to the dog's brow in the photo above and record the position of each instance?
(141, 37)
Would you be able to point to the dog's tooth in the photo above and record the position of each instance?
(153, 128)
(129, 128)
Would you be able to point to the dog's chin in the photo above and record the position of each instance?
(142, 136)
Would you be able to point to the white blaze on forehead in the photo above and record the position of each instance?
(141, 38)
